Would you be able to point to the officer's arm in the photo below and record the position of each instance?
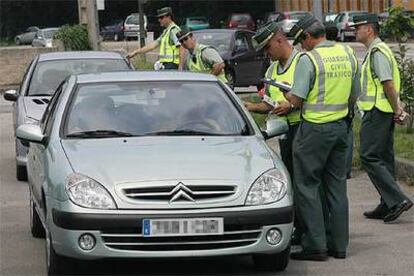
(392, 96)
(217, 68)
(153, 45)
(262, 107)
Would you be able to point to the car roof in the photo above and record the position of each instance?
(220, 31)
(79, 55)
(49, 29)
(128, 76)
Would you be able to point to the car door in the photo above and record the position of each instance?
(36, 165)
(244, 59)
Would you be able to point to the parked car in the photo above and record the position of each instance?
(131, 26)
(40, 81)
(154, 165)
(196, 23)
(241, 21)
(330, 17)
(44, 37)
(113, 31)
(287, 19)
(26, 37)
(343, 21)
(244, 66)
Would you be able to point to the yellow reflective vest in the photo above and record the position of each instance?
(287, 75)
(168, 52)
(372, 91)
(200, 66)
(335, 67)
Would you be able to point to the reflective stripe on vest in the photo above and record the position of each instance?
(335, 67)
(274, 92)
(372, 91)
(200, 66)
(169, 53)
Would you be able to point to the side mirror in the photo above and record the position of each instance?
(275, 127)
(10, 95)
(30, 133)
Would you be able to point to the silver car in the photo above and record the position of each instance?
(131, 26)
(155, 165)
(44, 37)
(26, 37)
(40, 81)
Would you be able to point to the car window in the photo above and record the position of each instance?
(48, 74)
(273, 17)
(134, 20)
(241, 43)
(46, 121)
(198, 20)
(241, 17)
(154, 108)
(221, 40)
(298, 15)
(49, 33)
(339, 18)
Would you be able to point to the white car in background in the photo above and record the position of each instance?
(44, 37)
(131, 26)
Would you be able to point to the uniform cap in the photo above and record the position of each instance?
(264, 34)
(164, 11)
(364, 19)
(300, 27)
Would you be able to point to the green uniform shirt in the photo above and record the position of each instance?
(380, 64)
(305, 75)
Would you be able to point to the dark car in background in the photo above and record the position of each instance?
(241, 21)
(244, 66)
(113, 31)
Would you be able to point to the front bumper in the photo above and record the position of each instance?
(119, 235)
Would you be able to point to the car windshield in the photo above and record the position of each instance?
(198, 20)
(49, 33)
(134, 20)
(241, 17)
(273, 17)
(219, 40)
(49, 74)
(298, 15)
(152, 109)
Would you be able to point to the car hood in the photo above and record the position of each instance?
(36, 106)
(122, 160)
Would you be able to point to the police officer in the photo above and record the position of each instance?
(201, 58)
(284, 59)
(325, 80)
(379, 101)
(171, 53)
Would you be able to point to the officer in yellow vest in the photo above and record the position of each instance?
(284, 59)
(201, 58)
(379, 101)
(171, 53)
(325, 81)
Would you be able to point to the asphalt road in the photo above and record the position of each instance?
(375, 248)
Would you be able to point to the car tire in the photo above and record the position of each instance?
(21, 172)
(272, 262)
(231, 78)
(36, 226)
(17, 41)
(55, 263)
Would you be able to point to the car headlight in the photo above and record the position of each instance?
(268, 188)
(88, 193)
(31, 121)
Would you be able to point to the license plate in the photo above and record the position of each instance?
(182, 227)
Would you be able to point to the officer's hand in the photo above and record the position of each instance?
(283, 108)
(249, 105)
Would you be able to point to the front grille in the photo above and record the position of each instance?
(133, 241)
(166, 193)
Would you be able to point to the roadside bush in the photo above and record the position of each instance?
(397, 26)
(74, 38)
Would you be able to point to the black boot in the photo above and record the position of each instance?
(378, 213)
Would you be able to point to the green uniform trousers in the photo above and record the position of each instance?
(319, 153)
(377, 155)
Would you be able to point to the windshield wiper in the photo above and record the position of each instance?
(99, 133)
(180, 132)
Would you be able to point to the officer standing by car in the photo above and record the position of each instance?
(325, 82)
(171, 53)
(201, 58)
(379, 102)
(284, 58)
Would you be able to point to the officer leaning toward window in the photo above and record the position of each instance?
(284, 58)
(201, 58)
(325, 81)
(171, 54)
(379, 101)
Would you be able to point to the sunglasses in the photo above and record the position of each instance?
(184, 39)
(161, 17)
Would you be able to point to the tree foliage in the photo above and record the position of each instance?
(74, 38)
(397, 25)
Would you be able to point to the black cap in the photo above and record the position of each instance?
(264, 34)
(183, 33)
(363, 19)
(164, 11)
(301, 26)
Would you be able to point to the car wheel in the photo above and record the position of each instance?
(230, 78)
(21, 173)
(17, 41)
(55, 263)
(116, 37)
(36, 226)
(272, 262)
